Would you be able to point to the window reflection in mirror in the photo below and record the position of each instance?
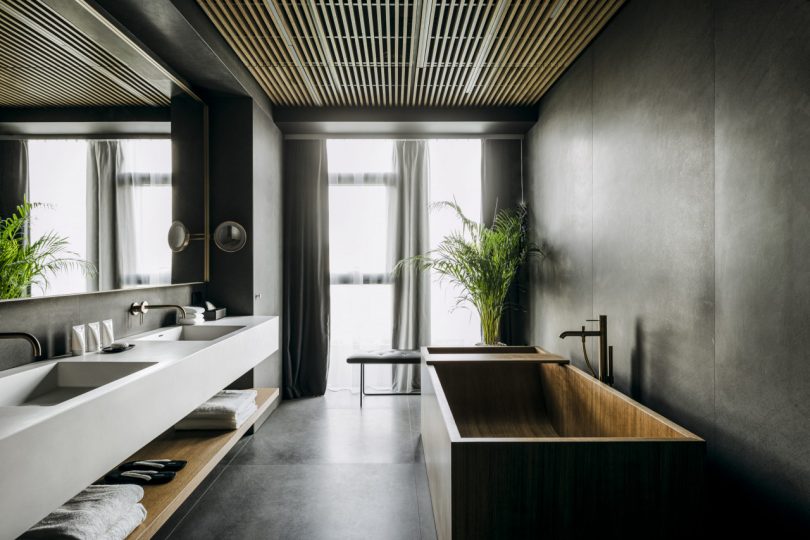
(112, 202)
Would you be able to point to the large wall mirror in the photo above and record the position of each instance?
(102, 148)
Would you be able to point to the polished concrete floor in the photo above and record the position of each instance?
(319, 468)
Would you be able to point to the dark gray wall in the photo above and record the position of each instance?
(246, 188)
(668, 174)
(50, 319)
(267, 142)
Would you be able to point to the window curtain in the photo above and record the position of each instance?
(306, 303)
(133, 181)
(116, 211)
(13, 176)
(409, 237)
(104, 160)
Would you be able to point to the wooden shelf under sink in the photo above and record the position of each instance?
(203, 450)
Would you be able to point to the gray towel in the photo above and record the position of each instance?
(90, 515)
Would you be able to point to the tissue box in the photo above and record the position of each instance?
(214, 314)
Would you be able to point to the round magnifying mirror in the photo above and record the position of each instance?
(179, 237)
(230, 236)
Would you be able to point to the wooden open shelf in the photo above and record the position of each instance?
(203, 450)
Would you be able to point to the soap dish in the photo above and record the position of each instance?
(109, 349)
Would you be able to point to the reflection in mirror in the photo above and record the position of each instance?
(230, 236)
(179, 236)
(106, 203)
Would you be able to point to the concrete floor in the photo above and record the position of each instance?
(319, 468)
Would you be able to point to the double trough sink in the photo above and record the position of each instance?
(54, 383)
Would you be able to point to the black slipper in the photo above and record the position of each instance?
(153, 464)
(140, 477)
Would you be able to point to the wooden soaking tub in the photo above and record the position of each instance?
(520, 444)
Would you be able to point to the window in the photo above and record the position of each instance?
(145, 189)
(360, 172)
(361, 297)
(142, 211)
(57, 179)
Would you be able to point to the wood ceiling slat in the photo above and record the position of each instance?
(408, 52)
(568, 22)
(460, 65)
(48, 62)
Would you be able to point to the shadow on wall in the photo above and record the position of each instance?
(751, 508)
(637, 363)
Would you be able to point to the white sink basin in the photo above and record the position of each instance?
(56, 383)
(190, 333)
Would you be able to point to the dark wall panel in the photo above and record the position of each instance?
(653, 235)
(668, 175)
(267, 141)
(763, 249)
(231, 118)
(559, 195)
(50, 319)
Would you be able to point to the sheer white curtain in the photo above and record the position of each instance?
(455, 174)
(360, 172)
(57, 178)
(144, 211)
(361, 301)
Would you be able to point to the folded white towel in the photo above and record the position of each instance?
(194, 309)
(89, 515)
(227, 401)
(127, 523)
(205, 422)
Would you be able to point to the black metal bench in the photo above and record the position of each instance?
(393, 357)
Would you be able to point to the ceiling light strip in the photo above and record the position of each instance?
(474, 40)
(284, 33)
(486, 44)
(463, 59)
(526, 15)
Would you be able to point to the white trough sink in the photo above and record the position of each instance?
(190, 333)
(55, 383)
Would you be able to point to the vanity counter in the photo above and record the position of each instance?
(48, 453)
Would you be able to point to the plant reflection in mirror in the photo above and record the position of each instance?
(24, 263)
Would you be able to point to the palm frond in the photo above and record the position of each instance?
(482, 261)
(24, 263)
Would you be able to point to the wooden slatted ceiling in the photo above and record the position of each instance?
(408, 52)
(48, 62)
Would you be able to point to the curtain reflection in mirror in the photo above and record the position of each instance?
(113, 200)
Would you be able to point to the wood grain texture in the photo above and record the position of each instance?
(545, 450)
(408, 52)
(203, 450)
(431, 355)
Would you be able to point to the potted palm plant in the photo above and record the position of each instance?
(24, 263)
(482, 261)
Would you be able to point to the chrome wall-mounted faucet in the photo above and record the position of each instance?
(605, 353)
(141, 308)
(32, 340)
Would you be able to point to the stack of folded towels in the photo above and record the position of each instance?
(227, 410)
(98, 512)
(194, 315)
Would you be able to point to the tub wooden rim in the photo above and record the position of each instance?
(456, 438)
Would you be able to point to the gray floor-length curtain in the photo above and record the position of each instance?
(409, 236)
(104, 161)
(306, 302)
(13, 176)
